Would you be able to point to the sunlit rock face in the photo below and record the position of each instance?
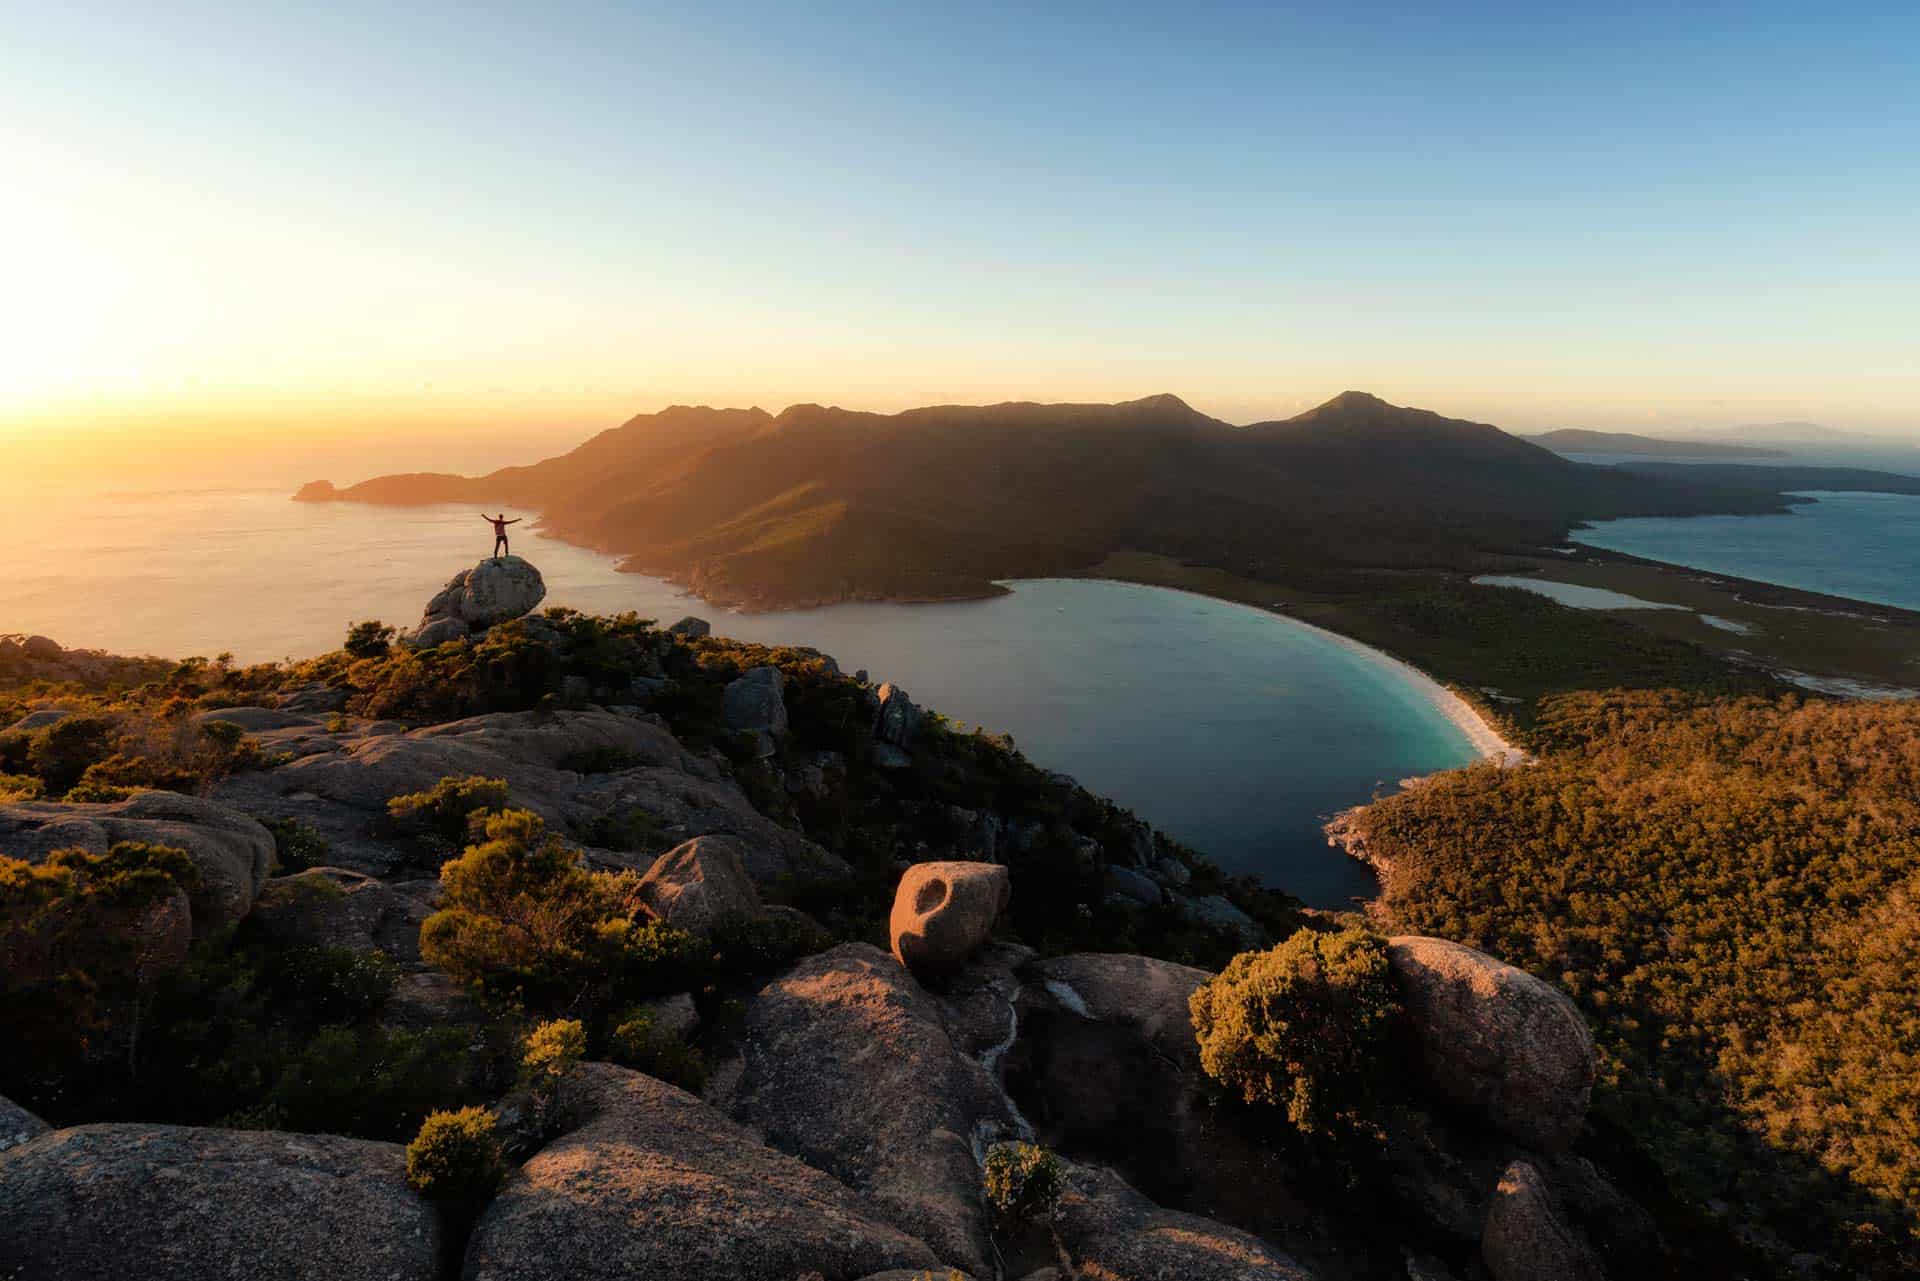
(497, 590)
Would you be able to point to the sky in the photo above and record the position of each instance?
(340, 239)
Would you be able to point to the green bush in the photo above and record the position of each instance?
(77, 952)
(639, 1042)
(370, 639)
(89, 791)
(553, 1050)
(62, 752)
(19, 787)
(633, 830)
(745, 945)
(337, 984)
(447, 808)
(297, 846)
(1303, 1026)
(523, 918)
(1023, 1180)
(455, 1159)
(374, 1082)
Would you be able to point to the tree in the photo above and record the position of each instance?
(1302, 1026)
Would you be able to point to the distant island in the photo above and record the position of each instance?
(816, 505)
(1579, 440)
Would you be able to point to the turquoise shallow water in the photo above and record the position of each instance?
(1231, 728)
(1862, 546)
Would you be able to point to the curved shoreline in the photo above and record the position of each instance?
(1479, 731)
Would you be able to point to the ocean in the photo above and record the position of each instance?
(1862, 546)
(1229, 727)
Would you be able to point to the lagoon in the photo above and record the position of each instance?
(1231, 728)
(1570, 594)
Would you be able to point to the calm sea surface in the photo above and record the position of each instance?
(1233, 729)
(1863, 546)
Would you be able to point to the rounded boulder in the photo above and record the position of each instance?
(1526, 1238)
(1495, 1040)
(943, 911)
(496, 590)
(699, 883)
(159, 1202)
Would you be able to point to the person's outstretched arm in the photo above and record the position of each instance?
(516, 520)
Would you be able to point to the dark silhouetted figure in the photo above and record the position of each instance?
(500, 523)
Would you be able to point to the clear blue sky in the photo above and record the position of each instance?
(420, 218)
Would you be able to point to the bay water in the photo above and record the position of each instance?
(1231, 728)
(1858, 545)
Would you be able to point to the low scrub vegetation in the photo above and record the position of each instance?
(455, 1160)
(445, 811)
(524, 920)
(1023, 1181)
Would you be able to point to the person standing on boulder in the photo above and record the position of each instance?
(500, 523)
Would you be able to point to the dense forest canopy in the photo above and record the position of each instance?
(1730, 888)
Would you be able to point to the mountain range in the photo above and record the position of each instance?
(819, 504)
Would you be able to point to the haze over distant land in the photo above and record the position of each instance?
(819, 504)
(1794, 433)
(1577, 440)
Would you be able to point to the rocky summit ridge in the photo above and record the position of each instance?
(857, 1090)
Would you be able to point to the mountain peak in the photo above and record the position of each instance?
(1165, 401)
(1355, 400)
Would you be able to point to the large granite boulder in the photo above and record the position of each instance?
(943, 911)
(755, 701)
(1217, 912)
(1527, 1238)
(435, 632)
(254, 720)
(654, 1185)
(850, 1066)
(17, 1125)
(1115, 1234)
(341, 784)
(895, 718)
(1104, 1065)
(687, 805)
(1143, 993)
(691, 628)
(1495, 1040)
(39, 719)
(317, 699)
(496, 590)
(159, 1202)
(698, 884)
(233, 853)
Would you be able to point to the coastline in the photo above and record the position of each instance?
(1485, 738)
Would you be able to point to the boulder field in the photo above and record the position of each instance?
(846, 1134)
(844, 1126)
